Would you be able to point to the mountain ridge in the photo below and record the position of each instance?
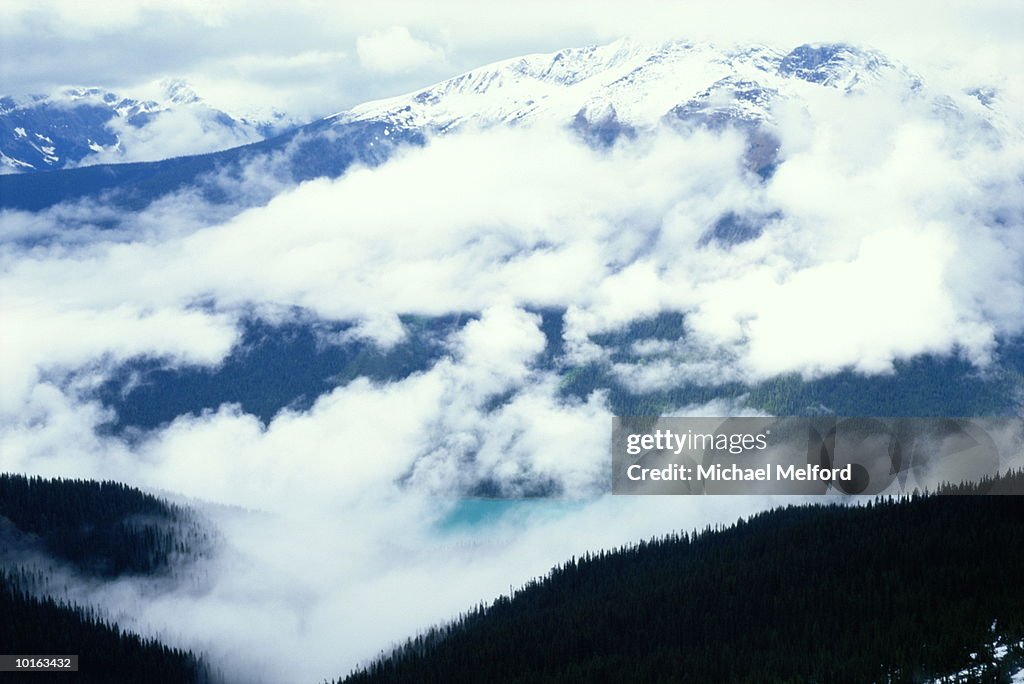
(600, 92)
(641, 82)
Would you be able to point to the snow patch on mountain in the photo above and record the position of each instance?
(1000, 660)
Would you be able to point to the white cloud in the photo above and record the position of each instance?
(394, 50)
(39, 337)
(176, 132)
(500, 341)
(889, 302)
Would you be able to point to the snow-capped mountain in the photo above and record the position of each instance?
(604, 92)
(601, 92)
(635, 85)
(80, 126)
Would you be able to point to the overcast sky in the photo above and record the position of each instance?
(314, 58)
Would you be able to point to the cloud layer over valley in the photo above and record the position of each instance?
(887, 229)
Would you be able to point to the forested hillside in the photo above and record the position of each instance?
(99, 531)
(290, 364)
(926, 385)
(107, 654)
(102, 528)
(273, 367)
(892, 591)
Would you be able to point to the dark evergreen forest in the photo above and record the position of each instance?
(107, 654)
(893, 591)
(104, 529)
(101, 530)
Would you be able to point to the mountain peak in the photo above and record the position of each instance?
(178, 91)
